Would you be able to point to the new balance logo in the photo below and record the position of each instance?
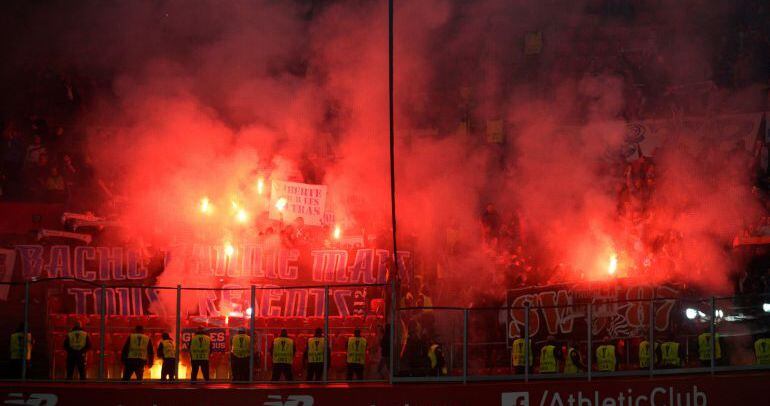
(291, 400)
(34, 399)
(514, 399)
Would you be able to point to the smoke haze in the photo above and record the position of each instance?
(202, 100)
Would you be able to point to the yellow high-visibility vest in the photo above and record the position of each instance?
(517, 352)
(17, 343)
(434, 359)
(605, 357)
(169, 352)
(704, 347)
(356, 350)
(137, 346)
(644, 354)
(548, 363)
(77, 339)
(762, 351)
(240, 345)
(670, 354)
(432, 355)
(200, 347)
(316, 347)
(283, 350)
(569, 366)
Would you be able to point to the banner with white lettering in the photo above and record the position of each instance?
(290, 200)
(617, 310)
(288, 281)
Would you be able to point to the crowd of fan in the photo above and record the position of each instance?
(42, 153)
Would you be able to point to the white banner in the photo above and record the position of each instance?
(7, 260)
(290, 200)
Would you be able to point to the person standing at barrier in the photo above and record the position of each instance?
(644, 354)
(18, 356)
(550, 356)
(704, 349)
(606, 357)
(240, 346)
(167, 352)
(137, 352)
(283, 356)
(200, 350)
(517, 354)
(315, 353)
(437, 360)
(671, 353)
(762, 350)
(572, 362)
(76, 344)
(356, 356)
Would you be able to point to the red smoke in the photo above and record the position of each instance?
(206, 100)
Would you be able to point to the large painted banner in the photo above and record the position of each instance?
(287, 280)
(723, 131)
(617, 310)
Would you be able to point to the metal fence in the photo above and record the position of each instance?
(477, 343)
(109, 313)
(426, 343)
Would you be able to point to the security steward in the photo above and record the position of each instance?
(167, 352)
(550, 356)
(572, 362)
(606, 357)
(644, 354)
(76, 344)
(240, 345)
(356, 356)
(314, 355)
(704, 349)
(517, 354)
(283, 356)
(18, 356)
(762, 350)
(200, 350)
(671, 353)
(137, 352)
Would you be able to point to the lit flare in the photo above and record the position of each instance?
(205, 206)
(280, 204)
(229, 249)
(613, 265)
(260, 186)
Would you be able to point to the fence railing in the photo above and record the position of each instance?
(584, 341)
(640, 337)
(50, 308)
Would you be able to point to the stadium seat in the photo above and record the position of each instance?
(59, 320)
(339, 359)
(59, 367)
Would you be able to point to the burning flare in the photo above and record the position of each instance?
(229, 249)
(205, 206)
(337, 232)
(158, 365)
(613, 265)
(241, 216)
(260, 186)
(280, 204)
